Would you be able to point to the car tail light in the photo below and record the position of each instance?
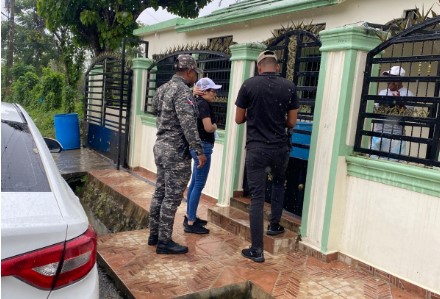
(55, 266)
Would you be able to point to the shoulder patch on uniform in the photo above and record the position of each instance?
(190, 101)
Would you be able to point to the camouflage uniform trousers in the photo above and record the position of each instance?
(172, 179)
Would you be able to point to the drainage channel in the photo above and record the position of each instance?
(107, 287)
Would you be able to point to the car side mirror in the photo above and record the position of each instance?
(53, 145)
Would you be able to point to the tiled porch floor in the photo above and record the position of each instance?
(215, 260)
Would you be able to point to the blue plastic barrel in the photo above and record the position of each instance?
(67, 130)
(301, 140)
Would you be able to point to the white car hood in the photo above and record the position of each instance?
(33, 220)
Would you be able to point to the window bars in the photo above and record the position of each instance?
(399, 116)
(214, 65)
(299, 58)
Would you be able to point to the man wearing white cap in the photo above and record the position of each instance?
(397, 90)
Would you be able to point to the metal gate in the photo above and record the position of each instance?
(414, 115)
(108, 90)
(299, 59)
(214, 64)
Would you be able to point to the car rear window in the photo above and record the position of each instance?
(22, 168)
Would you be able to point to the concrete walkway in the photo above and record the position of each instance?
(214, 260)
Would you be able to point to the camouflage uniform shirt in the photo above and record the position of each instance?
(174, 106)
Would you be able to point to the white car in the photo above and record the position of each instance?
(48, 249)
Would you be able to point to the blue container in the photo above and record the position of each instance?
(67, 130)
(301, 140)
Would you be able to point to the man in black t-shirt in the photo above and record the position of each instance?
(269, 105)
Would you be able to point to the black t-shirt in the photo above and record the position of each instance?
(267, 98)
(205, 110)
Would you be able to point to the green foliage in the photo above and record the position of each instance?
(44, 120)
(20, 69)
(44, 96)
(101, 25)
(71, 56)
(70, 96)
(42, 90)
(52, 89)
(25, 89)
(33, 45)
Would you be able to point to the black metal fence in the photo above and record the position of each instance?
(108, 88)
(300, 58)
(399, 116)
(215, 65)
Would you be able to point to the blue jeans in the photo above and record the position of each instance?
(198, 181)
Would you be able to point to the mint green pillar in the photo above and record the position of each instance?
(140, 67)
(243, 57)
(338, 96)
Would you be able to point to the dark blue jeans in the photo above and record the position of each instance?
(198, 181)
(260, 162)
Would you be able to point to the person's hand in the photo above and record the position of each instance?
(197, 91)
(202, 161)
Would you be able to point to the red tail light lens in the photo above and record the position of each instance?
(40, 268)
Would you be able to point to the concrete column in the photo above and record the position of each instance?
(140, 67)
(243, 57)
(343, 61)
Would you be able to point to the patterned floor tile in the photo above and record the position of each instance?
(214, 260)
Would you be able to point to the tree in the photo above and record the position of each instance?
(33, 45)
(26, 37)
(100, 25)
(71, 55)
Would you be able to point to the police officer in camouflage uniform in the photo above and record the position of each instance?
(177, 133)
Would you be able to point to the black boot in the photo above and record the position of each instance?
(170, 247)
(152, 240)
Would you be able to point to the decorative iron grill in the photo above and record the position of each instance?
(403, 125)
(299, 58)
(215, 65)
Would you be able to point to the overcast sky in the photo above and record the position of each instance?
(150, 16)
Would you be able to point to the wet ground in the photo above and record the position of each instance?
(214, 260)
(78, 162)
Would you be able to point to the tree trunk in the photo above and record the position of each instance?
(11, 37)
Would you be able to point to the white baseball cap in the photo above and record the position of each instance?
(395, 71)
(266, 54)
(206, 83)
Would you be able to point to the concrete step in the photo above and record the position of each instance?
(237, 222)
(288, 220)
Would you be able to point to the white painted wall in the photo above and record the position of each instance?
(147, 144)
(147, 160)
(324, 149)
(393, 229)
(213, 183)
(348, 12)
